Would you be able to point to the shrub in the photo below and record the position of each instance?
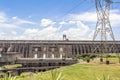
(87, 56)
(56, 75)
(8, 77)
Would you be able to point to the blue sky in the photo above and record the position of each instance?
(50, 19)
(44, 8)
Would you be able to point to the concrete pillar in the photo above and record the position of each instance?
(84, 49)
(53, 50)
(35, 56)
(8, 50)
(0, 55)
(88, 50)
(26, 51)
(1, 49)
(15, 48)
(81, 49)
(61, 51)
(73, 49)
(44, 56)
(19, 48)
(53, 56)
(44, 49)
(77, 49)
(60, 55)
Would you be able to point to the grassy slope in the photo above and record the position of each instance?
(91, 71)
(112, 60)
(12, 66)
(82, 72)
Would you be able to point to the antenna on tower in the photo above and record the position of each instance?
(103, 28)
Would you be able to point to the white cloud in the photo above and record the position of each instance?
(31, 31)
(8, 25)
(78, 32)
(2, 35)
(2, 17)
(19, 21)
(15, 22)
(40, 34)
(25, 22)
(72, 22)
(62, 23)
(13, 32)
(87, 16)
(15, 17)
(92, 17)
(75, 29)
(115, 19)
(46, 22)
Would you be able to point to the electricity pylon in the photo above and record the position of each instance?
(103, 26)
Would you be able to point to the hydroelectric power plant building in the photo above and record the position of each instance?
(50, 52)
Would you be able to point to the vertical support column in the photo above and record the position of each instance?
(61, 52)
(77, 49)
(26, 50)
(15, 47)
(87, 48)
(83, 49)
(1, 51)
(35, 56)
(0, 54)
(23, 50)
(72, 50)
(19, 48)
(80, 49)
(44, 56)
(44, 52)
(90, 48)
(61, 56)
(53, 56)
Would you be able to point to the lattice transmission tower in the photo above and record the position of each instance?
(103, 28)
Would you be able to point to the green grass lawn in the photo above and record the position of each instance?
(81, 72)
(11, 66)
(112, 60)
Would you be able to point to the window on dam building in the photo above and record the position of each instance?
(37, 49)
(61, 49)
(52, 49)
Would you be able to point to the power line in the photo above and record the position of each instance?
(117, 4)
(76, 6)
(73, 8)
